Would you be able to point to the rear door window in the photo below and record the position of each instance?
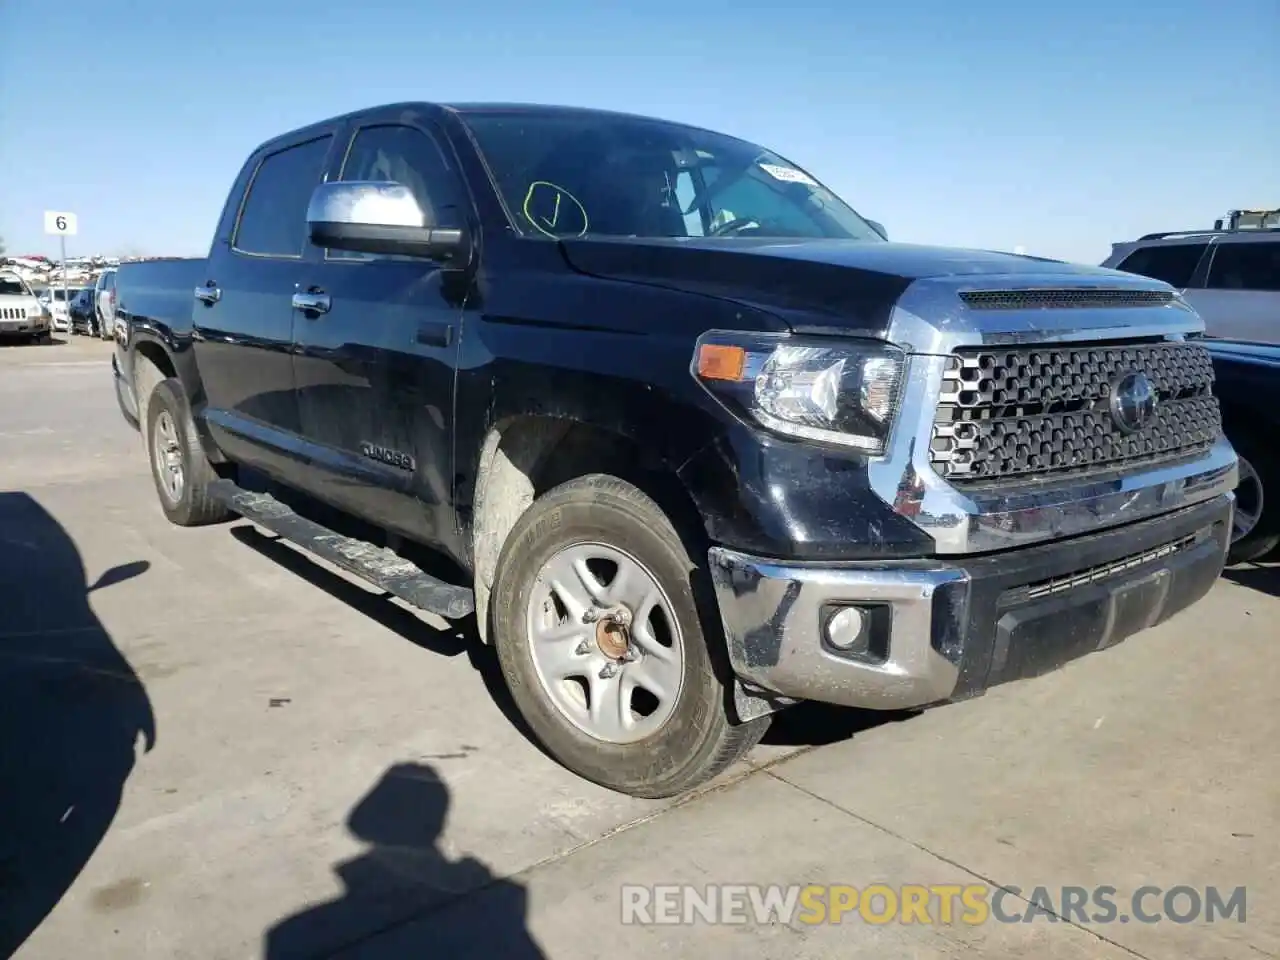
(1174, 263)
(273, 218)
(1246, 266)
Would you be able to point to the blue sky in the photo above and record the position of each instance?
(1057, 127)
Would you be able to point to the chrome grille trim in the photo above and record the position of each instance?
(1024, 414)
(1104, 571)
(931, 322)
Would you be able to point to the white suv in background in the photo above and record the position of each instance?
(22, 315)
(60, 306)
(1231, 277)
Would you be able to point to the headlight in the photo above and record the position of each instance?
(831, 391)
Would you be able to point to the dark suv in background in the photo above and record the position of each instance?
(83, 318)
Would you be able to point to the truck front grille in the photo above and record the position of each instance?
(1036, 411)
(13, 313)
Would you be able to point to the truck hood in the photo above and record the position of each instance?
(846, 286)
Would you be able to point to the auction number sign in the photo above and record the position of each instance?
(60, 223)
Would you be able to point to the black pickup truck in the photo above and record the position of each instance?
(698, 441)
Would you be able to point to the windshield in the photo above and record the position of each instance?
(70, 293)
(12, 287)
(573, 175)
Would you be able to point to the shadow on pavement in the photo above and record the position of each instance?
(379, 607)
(460, 637)
(806, 724)
(15, 342)
(394, 893)
(1265, 578)
(71, 712)
(819, 724)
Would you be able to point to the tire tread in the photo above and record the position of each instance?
(720, 743)
(197, 507)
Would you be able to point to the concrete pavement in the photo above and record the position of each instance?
(212, 746)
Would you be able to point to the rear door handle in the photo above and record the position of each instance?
(311, 302)
(209, 293)
(435, 334)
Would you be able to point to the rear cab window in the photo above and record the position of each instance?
(1252, 265)
(1174, 263)
(273, 215)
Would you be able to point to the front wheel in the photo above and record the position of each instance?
(599, 628)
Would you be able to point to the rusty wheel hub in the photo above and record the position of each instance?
(613, 638)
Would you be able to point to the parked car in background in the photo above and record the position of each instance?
(105, 303)
(83, 316)
(1247, 382)
(1231, 276)
(60, 300)
(22, 315)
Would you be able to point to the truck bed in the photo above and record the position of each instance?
(160, 289)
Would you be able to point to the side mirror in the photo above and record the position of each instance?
(377, 216)
(878, 227)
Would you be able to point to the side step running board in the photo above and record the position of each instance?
(377, 565)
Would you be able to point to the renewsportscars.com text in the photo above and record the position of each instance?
(943, 904)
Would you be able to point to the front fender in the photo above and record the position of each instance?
(667, 422)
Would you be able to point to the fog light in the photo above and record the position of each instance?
(848, 630)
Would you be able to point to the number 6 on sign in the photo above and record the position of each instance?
(60, 223)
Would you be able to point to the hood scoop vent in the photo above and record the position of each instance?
(1063, 299)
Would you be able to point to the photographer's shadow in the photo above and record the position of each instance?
(72, 713)
(401, 896)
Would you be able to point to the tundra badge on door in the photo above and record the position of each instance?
(393, 458)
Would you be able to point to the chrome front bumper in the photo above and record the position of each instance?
(955, 628)
(774, 615)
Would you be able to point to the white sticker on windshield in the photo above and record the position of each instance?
(787, 174)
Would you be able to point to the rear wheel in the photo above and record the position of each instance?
(598, 622)
(178, 465)
(1255, 527)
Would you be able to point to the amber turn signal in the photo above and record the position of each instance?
(721, 362)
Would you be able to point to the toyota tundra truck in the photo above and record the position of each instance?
(691, 439)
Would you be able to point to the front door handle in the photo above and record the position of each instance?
(311, 302)
(209, 293)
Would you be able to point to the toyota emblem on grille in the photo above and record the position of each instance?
(1133, 402)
